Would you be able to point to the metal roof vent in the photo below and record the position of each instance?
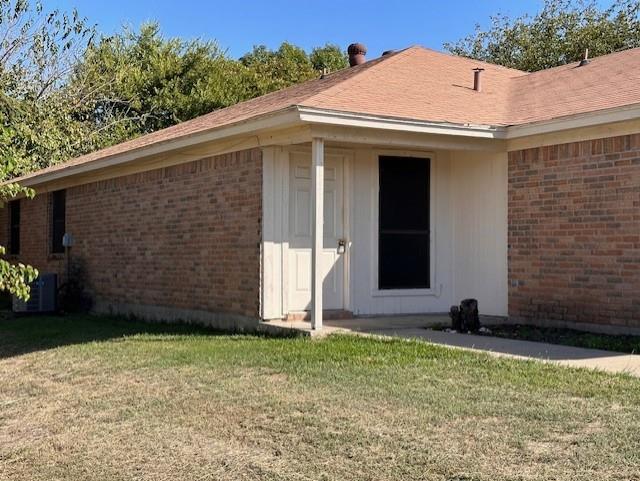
(356, 52)
(585, 58)
(477, 79)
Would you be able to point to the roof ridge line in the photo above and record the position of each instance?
(300, 85)
(568, 64)
(471, 59)
(382, 60)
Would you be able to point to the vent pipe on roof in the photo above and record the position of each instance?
(477, 79)
(356, 52)
(585, 59)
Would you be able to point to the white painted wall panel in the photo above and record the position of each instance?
(272, 246)
(479, 185)
(366, 298)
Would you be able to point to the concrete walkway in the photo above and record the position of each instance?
(416, 327)
(608, 361)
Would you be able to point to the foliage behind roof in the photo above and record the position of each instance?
(422, 84)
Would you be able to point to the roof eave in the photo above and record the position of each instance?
(589, 119)
(353, 119)
(289, 116)
(300, 115)
(278, 119)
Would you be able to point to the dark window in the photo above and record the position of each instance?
(403, 238)
(58, 201)
(14, 232)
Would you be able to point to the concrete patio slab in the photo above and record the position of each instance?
(417, 327)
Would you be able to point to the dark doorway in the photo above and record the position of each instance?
(403, 237)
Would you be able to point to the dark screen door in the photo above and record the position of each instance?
(403, 237)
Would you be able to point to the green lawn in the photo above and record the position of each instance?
(86, 398)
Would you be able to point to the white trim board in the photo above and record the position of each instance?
(600, 117)
(330, 117)
(278, 119)
(263, 128)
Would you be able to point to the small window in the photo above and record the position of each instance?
(58, 201)
(14, 229)
(403, 236)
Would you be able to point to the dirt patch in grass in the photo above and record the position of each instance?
(568, 337)
(160, 406)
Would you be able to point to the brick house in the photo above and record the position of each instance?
(400, 185)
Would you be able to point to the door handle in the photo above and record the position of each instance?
(342, 246)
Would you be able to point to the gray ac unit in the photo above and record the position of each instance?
(43, 295)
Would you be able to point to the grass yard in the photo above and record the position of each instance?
(85, 398)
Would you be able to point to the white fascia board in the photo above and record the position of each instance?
(307, 115)
(608, 116)
(279, 119)
(347, 119)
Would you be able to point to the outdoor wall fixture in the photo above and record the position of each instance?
(68, 242)
(342, 246)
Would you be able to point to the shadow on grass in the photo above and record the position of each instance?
(24, 334)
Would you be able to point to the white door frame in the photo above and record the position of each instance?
(433, 290)
(347, 166)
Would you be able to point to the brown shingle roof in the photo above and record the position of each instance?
(422, 84)
(605, 82)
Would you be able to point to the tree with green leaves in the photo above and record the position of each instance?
(37, 52)
(139, 82)
(558, 34)
(15, 278)
(136, 82)
(268, 70)
(330, 57)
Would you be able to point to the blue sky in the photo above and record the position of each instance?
(239, 24)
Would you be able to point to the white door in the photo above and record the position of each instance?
(299, 264)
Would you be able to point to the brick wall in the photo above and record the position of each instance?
(183, 237)
(34, 235)
(574, 232)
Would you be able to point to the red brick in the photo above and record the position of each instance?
(575, 256)
(185, 237)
